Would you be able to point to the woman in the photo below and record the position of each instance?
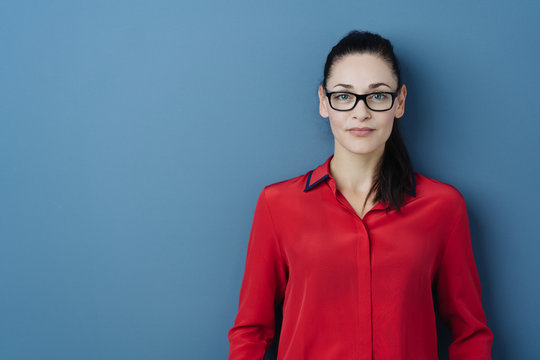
(354, 281)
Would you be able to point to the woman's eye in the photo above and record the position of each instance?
(343, 97)
(378, 96)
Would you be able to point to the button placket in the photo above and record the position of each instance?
(364, 278)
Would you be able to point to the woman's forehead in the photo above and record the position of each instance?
(361, 72)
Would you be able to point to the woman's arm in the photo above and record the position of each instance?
(458, 291)
(263, 287)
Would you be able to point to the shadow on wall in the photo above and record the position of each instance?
(271, 353)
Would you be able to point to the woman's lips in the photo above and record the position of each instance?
(365, 131)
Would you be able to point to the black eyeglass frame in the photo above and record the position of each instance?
(361, 97)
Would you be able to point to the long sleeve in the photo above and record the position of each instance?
(263, 287)
(458, 291)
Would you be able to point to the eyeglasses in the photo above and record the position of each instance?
(376, 101)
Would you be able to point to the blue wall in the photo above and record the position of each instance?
(135, 137)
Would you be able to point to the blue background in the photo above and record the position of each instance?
(135, 137)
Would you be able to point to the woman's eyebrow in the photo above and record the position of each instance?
(370, 86)
(346, 86)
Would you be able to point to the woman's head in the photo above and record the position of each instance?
(362, 63)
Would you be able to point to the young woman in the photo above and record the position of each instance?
(352, 250)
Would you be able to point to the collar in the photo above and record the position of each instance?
(322, 172)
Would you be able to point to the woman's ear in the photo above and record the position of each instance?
(323, 110)
(401, 101)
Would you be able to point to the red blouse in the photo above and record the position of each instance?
(354, 288)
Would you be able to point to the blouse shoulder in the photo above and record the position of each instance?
(430, 188)
(286, 189)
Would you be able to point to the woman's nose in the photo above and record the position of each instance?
(361, 110)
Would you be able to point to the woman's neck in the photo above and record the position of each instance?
(354, 172)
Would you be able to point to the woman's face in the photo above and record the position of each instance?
(361, 74)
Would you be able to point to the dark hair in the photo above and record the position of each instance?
(394, 172)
